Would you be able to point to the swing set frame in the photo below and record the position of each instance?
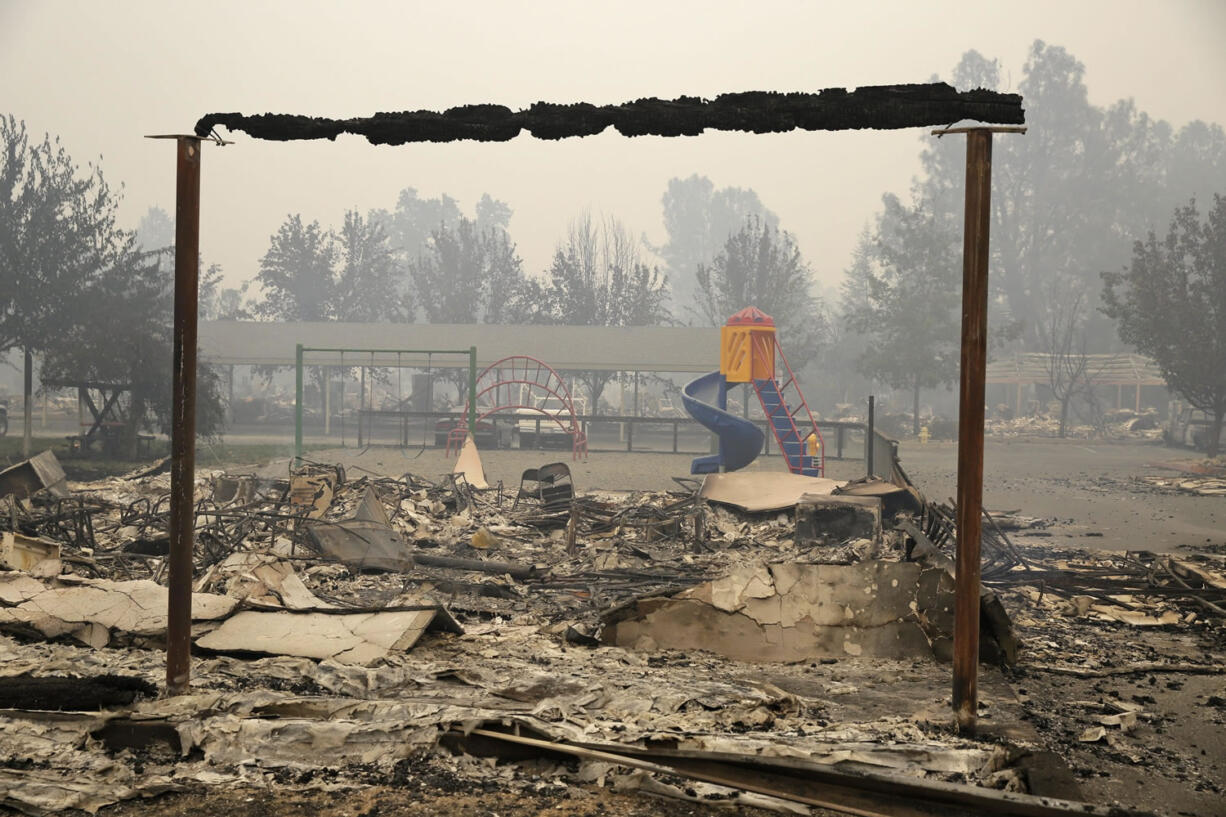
(300, 352)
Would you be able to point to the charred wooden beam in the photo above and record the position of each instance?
(879, 107)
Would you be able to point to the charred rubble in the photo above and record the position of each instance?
(394, 618)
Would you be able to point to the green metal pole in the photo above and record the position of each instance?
(298, 406)
(472, 392)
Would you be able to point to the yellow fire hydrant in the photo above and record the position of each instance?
(923, 437)
(812, 444)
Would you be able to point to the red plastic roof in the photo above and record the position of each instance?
(751, 316)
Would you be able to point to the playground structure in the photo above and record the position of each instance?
(523, 385)
(374, 358)
(749, 346)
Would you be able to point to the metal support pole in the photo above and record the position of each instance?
(183, 416)
(361, 405)
(970, 424)
(870, 434)
(298, 405)
(27, 433)
(327, 400)
(472, 393)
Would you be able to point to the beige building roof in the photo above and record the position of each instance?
(1105, 370)
(640, 348)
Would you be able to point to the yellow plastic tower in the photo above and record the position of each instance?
(747, 347)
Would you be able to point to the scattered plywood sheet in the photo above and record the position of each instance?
(33, 475)
(348, 638)
(469, 464)
(312, 490)
(755, 491)
(92, 611)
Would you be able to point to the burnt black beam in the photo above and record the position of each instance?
(880, 107)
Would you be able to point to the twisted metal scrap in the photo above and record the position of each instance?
(880, 107)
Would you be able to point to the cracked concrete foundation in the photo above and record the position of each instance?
(797, 612)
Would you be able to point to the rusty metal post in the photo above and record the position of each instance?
(970, 424)
(27, 429)
(183, 417)
(870, 435)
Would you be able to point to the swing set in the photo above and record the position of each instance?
(366, 358)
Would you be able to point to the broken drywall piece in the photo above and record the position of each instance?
(349, 638)
(18, 587)
(758, 491)
(93, 611)
(266, 580)
(38, 557)
(469, 464)
(797, 612)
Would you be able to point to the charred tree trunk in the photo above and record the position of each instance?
(1064, 403)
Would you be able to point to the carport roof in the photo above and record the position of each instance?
(607, 348)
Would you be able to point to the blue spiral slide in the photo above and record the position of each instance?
(740, 441)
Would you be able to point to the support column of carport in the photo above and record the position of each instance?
(970, 417)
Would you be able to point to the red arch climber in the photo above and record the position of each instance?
(520, 382)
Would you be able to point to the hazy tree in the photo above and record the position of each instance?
(760, 265)
(57, 228)
(1170, 304)
(1062, 338)
(1070, 195)
(903, 294)
(492, 214)
(297, 273)
(366, 273)
(126, 338)
(313, 274)
(699, 219)
(598, 278)
(410, 225)
(155, 234)
(466, 275)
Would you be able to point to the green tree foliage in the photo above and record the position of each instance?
(902, 295)
(699, 219)
(760, 265)
(598, 278)
(1170, 304)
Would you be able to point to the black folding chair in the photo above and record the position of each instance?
(550, 486)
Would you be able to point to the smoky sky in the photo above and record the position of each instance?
(102, 75)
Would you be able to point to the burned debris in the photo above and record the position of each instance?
(428, 618)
